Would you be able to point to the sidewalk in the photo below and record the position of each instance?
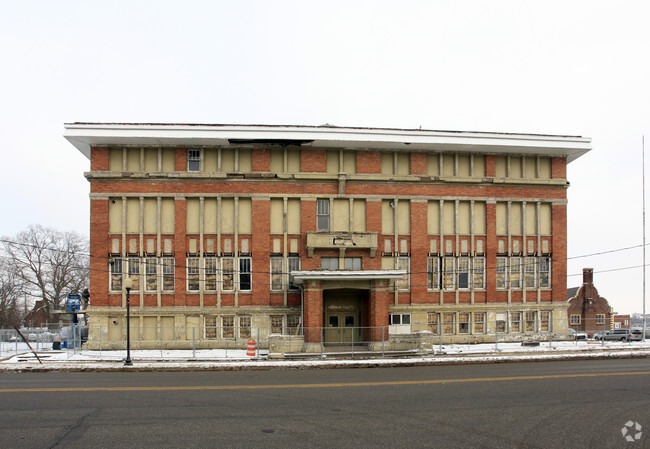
(235, 360)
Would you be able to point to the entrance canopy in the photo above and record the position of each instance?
(299, 277)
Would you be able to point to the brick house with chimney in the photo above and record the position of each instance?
(588, 311)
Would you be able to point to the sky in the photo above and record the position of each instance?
(554, 67)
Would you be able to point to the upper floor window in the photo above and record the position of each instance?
(193, 160)
(329, 263)
(323, 215)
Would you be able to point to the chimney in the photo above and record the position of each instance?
(588, 276)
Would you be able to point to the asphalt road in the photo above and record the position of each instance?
(509, 405)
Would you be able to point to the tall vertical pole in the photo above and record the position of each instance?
(643, 166)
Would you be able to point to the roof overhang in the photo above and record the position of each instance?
(86, 135)
(299, 277)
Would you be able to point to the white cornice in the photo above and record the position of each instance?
(85, 135)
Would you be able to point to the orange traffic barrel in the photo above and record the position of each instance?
(250, 351)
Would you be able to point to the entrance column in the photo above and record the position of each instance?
(379, 303)
(313, 311)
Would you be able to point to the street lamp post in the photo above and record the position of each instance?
(128, 284)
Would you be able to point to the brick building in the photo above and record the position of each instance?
(367, 233)
(588, 311)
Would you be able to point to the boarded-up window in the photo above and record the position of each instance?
(245, 219)
(433, 217)
(501, 166)
(277, 214)
(448, 165)
(245, 161)
(116, 159)
(167, 215)
(168, 159)
(150, 215)
(387, 164)
(115, 216)
(192, 212)
(433, 164)
(479, 218)
(403, 163)
(277, 161)
(449, 217)
(133, 159)
(210, 160)
(227, 161)
(464, 217)
(530, 167)
(463, 165)
(449, 323)
(341, 215)
(387, 217)
(210, 216)
(515, 167)
(359, 210)
(502, 219)
(545, 167)
(433, 321)
(151, 159)
(531, 218)
(545, 219)
(228, 216)
(293, 216)
(293, 161)
(479, 166)
(515, 219)
(349, 162)
(404, 217)
(332, 162)
(133, 215)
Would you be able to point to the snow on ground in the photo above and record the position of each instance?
(237, 359)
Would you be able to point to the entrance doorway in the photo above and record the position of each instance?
(343, 313)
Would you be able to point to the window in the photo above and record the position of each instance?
(600, 319)
(433, 273)
(244, 327)
(404, 263)
(433, 322)
(151, 274)
(277, 273)
(323, 215)
(462, 273)
(228, 326)
(575, 319)
(544, 321)
(530, 272)
(449, 323)
(478, 272)
(544, 272)
(168, 273)
(276, 324)
(210, 273)
(400, 318)
(479, 322)
(244, 274)
(193, 274)
(531, 318)
(294, 265)
(193, 160)
(116, 274)
(228, 274)
(515, 322)
(448, 274)
(211, 327)
(293, 324)
(515, 272)
(501, 326)
(463, 323)
(329, 263)
(502, 272)
(352, 263)
(134, 273)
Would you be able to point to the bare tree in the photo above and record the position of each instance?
(49, 263)
(10, 290)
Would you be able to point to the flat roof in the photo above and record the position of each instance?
(84, 135)
(346, 275)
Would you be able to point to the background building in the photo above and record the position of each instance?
(588, 311)
(347, 233)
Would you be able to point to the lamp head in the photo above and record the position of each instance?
(128, 283)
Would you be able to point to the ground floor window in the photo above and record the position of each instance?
(575, 319)
(600, 319)
(463, 323)
(400, 318)
(293, 324)
(228, 326)
(515, 321)
(544, 321)
(433, 322)
(244, 327)
(211, 327)
(449, 323)
(479, 322)
(277, 322)
(531, 319)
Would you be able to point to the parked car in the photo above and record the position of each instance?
(620, 335)
(577, 335)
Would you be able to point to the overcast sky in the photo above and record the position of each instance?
(564, 67)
